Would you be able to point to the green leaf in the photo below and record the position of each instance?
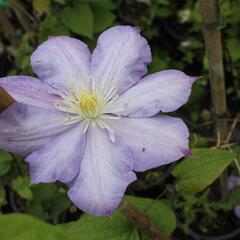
(234, 13)
(48, 198)
(5, 162)
(35, 208)
(78, 19)
(159, 213)
(163, 2)
(41, 193)
(41, 5)
(103, 18)
(51, 27)
(45, 192)
(59, 1)
(163, 12)
(157, 64)
(198, 171)
(115, 227)
(233, 46)
(106, 4)
(25, 227)
(21, 186)
(118, 226)
(58, 206)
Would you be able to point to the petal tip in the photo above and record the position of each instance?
(195, 78)
(186, 152)
(33, 181)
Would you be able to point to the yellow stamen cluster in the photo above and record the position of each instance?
(89, 105)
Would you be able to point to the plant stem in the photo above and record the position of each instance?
(141, 221)
(212, 38)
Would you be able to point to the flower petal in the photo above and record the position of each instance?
(29, 90)
(237, 211)
(164, 91)
(58, 160)
(120, 58)
(62, 62)
(152, 142)
(105, 173)
(233, 181)
(24, 128)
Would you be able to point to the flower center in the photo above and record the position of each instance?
(89, 105)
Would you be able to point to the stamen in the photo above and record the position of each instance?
(104, 125)
(117, 117)
(118, 110)
(93, 123)
(94, 84)
(87, 122)
(66, 109)
(110, 91)
(72, 120)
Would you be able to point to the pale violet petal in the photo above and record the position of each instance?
(60, 159)
(29, 90)
(164, 91)
(62, 62)
(233, 181)
(25, 128)
(237, 211)
(120, 58)
(104, 175)
(151, 142)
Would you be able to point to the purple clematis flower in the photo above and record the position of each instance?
(87, 120)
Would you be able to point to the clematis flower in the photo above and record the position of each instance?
(89, 121)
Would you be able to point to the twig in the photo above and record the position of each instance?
(141, 221)
(12, 201)
(218, 144)
(230, 133)
(212, 122)
(23, 18)
(237, 165)
(8, 28)
(212, 38)
(21, 7)
(228, 145)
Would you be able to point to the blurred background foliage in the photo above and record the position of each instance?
(187, 209)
